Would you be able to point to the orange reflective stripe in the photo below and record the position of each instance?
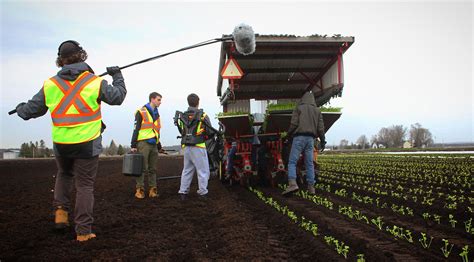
(157, 125)
(72, 96)
(73, 93)
(146, 123)
(86, 79)
(144, 114)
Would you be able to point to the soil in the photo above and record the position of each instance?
(231, 224)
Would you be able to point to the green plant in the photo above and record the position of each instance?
(285, 106)
(426, 215)
(452, 220)
(328, 239)
(232, 113)
(378, 222)
(464, 254)
(424, 242)
(445, 250)
(330, 109)
(341, 248)
(468, 225)
(408, 236)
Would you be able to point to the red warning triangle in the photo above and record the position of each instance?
(231, 70)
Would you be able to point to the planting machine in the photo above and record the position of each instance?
(278, 73)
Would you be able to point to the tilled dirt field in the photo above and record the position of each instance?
(231, 225)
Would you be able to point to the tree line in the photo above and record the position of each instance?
(39, 150)
(393, 137)
(35, 150)
(114, 150)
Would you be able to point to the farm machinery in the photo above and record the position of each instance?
(263, 89)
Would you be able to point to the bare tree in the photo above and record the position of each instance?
(392, 136)
(362, 141)
(383, 137)
(343, 144)
(420, 136)
(397, 135)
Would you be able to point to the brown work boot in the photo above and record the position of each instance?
(61, 218)
(140, 194)
(311, 189)
(82, 238)
(153, 192)
(292, 187)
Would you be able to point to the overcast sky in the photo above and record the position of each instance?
(411, 62)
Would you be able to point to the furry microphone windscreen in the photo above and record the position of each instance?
(244, 39)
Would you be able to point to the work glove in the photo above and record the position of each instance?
(113, 70)
(322, 145)
(20, 105)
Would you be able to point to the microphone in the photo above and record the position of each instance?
(244, 39)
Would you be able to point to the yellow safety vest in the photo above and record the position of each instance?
(74, 108)
(149, 129)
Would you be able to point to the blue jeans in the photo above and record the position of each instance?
(230, 159)
(301, 144)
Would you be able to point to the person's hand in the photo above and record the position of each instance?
(162, 151)
(323, 146)
(19, 105)
(133, 149)
(113, 70)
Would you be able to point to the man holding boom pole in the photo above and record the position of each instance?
(73, 97)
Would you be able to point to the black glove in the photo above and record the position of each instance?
(322, 145)
(113, 70)
(19, 105)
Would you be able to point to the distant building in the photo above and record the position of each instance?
(11, 154)
(375, 146)
(407, 144)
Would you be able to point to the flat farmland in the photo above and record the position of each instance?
(366, 208)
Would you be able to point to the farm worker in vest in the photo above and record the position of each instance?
(146, 140)
(74, 97)
(194, 126)
(306, 125)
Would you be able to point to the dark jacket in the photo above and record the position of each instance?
(111, 94)
(307, 119)
(138, 125)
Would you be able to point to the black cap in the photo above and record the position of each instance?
(68, 48)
